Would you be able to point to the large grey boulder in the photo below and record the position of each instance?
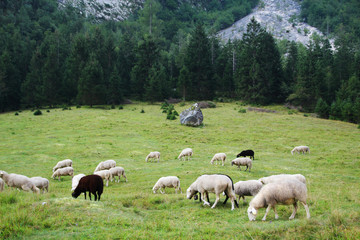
(192, 116)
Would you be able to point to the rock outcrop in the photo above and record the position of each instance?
(192, 116)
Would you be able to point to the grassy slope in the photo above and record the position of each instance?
(31, 145)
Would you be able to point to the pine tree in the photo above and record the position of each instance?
(198, 62)
(259, 73)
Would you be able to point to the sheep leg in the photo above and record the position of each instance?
(203, 199)
(90, 195)
(306, 209)
(107, 183)
(276, 215)
(99, 196)
(294, 212)
(162, 191)
(217, 200)
(227, 197)
(95, 195)
(244, 201)
(247, 168)
(85, 195)
(266, 212)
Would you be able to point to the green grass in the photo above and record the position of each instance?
(32, 145)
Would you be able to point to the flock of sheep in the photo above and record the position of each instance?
(267, 191)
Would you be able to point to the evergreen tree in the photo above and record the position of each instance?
(147, 55)
(259, 75)
(198, 63)
(91, 89)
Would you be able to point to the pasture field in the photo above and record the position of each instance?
(32, 145)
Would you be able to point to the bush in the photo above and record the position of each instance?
(37, 112)
(78, 106)
(112, 106)
(48, 110)
(16, 114)
(121, 107)
(170, 111)
(242, 110)
(142, 111)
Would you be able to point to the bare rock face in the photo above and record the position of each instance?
(192, 116)
(281, 18)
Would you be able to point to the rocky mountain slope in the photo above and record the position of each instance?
(279, 17)
(106, 9)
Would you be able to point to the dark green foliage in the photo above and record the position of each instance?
(37, 112)
(170, 111)
(142, 111)
(121, 107)
(259, 75)
(322, 108)
(242, 110)
(16, 114)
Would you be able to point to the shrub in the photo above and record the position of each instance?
(242, 110)
(112, 106)
(121, 107)
(37, 112)
(78, 106)
(16, 114)
(170, 111)
(142, 111)
(306, 115)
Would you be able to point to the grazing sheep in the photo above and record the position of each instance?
(215, 183)
(282, 177)
(75, 181)
(90, 183)
(246, 153)
(285, 192)
(104, 174)
(117, 171)
(62, 164)
(219, 157)
(300, 149)
(41, 183)
(19, 181)
(1, 185)
(187, 152)
(247, 188)
(63, 172)
(170, 181)
(242, 162)
(155, 155)
(105, 165)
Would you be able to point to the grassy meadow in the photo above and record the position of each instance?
(32, 145)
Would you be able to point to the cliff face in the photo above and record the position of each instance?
(106, 9)
(278, 17)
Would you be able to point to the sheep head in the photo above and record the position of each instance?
(252, 213)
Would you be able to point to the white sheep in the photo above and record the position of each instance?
(242, 162)
(62, 164)
(104, 174)
(187, 152)
(281, 177)
(1, 185)
(75, 181)
(247, 188)
(41, 183)
(218, 157)
(285, 192)
(19, 181)
(300, 149)
(215, 183)
(105, 165)
(155, 155)
(170, 181)
(63, 172)
(117, 171)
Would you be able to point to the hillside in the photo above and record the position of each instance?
(279, 17)
(32, 145)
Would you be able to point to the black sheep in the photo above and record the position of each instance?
(245, 153)
(91, 183)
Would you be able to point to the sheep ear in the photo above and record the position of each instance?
(253, 210)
